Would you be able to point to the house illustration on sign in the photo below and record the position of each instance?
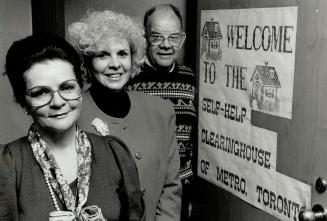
(211, 36)
(265, 84)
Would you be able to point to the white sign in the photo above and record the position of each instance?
(235, 145)
(273, 192)
(247, 57)
(247, 63)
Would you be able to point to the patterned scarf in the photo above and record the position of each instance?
(51, 170)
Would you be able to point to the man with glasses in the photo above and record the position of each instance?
(162, 76)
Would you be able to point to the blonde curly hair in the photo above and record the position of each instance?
(97, 27)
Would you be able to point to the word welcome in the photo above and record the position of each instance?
(266, 38)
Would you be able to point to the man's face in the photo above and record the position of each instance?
(165, 38)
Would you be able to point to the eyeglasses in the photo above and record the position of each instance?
(174, 39)
(42, 95)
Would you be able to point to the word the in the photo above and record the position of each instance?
(235, 76)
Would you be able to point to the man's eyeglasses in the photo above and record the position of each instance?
(42, 95)
(174, 39)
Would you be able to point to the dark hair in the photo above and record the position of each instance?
(24, 53)
(149, 12)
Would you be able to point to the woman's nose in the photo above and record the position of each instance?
(114, 62)
(57, 100)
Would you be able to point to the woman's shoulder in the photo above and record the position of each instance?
(113, 143)
(15, 154)
(15, 147)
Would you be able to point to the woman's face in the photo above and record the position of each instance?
(58, 115)
(112, 64)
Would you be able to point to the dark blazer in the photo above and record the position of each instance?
(149, 132)
(114, 183)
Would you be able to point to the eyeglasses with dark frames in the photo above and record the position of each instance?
(42, 95)
(174, 39)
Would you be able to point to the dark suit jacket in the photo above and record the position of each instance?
(149, 132)
(114, 183)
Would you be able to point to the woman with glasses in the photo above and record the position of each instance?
(58, 171)
(113, 47)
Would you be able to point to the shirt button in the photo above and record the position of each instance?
(142, 191)
(138, 155)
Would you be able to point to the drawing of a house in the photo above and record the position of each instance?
(265, 84)
(211, 36)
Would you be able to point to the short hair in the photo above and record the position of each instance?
(97, 27)
(34, 49)
(149, 12)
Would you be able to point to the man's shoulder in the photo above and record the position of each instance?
(183, 69)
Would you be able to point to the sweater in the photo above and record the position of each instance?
(114, 184)
(178, 86)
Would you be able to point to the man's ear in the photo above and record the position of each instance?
(183, 39)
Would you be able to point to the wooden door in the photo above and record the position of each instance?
(302, 140)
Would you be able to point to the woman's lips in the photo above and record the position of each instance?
(59, 116)
(114, 75)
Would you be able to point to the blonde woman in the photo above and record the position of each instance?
(113, 47)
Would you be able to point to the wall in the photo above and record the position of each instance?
(15, 23)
